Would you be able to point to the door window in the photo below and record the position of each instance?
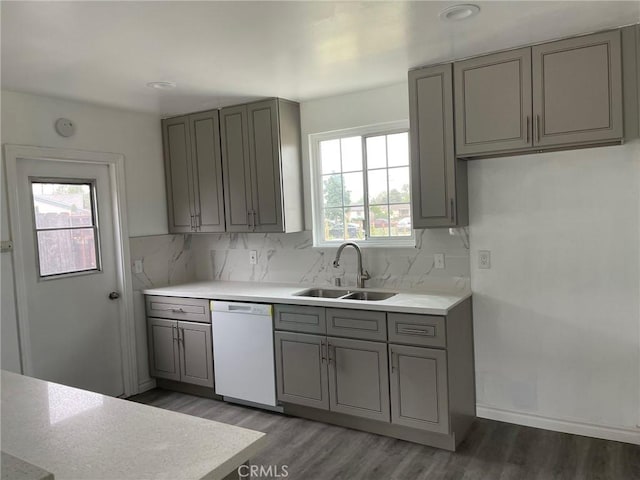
(66, 227)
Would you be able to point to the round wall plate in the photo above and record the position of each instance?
(65, 127)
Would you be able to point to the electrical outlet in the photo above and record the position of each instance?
(137, 266)
(253, 257)
(484, 259)
(438, 261)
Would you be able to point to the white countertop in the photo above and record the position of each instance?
(76, 434)
(431, 304)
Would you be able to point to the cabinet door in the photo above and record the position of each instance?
(207, 172)
(235, 169)
(196, 362)
(163, 348)
(179, 175)
(433, 163)
(301, 369)
(493, 102)
(359, 378)
(419, 388)
(264, 152)
(577, 90)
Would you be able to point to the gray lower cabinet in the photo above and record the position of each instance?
(163, 348)
(193, 171)
(438, 179)
(577, 90)
(418, 387)
(180, 351)
(301, 369)
(358, 378)
(261, 160)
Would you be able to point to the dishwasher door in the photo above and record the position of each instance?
(243, 356)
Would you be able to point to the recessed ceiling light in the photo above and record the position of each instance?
(162, 85)
(459, 12)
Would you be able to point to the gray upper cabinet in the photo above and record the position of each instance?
(359, 378)
(419, 397)
(193, 173)
(493, 102)
(301, 369)
(438, 180)
(557, 94)
(262, 167)
(196, 362)
(577, 90)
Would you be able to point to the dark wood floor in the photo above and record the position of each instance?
(492, 450)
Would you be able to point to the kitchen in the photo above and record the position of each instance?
(555, 317)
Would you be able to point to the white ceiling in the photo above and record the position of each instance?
(220, 53)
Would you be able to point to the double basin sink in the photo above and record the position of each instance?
(369, 295)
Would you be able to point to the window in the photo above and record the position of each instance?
(66, 227)
(362, 187)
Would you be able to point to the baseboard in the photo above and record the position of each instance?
(146, 386)
(627, 435)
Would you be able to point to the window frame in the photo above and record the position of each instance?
(389, 128)
(93, 196)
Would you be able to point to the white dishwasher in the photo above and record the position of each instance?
(243, 357)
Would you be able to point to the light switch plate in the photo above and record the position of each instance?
(253, 257)
(137, 266)
(484, 259)
(438, 261)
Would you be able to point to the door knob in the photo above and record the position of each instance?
(114, 295)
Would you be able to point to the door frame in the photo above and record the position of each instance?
(115, 164)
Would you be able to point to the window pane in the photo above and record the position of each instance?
(376, 152)
(379, 221)
(66, 251)
(332, 190)
(398, 149)
(399, 185)
(400, 220)
(330, 156)
(333, 223)
(353, 188)
(377, 186)
(62, 205)
(351, 154)
(354, 219)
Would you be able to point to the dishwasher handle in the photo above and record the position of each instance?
(238, 307)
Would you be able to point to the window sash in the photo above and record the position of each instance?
(318, 189)
(91, 183)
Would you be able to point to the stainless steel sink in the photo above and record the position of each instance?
(369, 296)
(366, 296)
(322, 293)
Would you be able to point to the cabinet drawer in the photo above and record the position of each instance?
(425, 330)
(192, 309)
(356, 324)
(297, 318)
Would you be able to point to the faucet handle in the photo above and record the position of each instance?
(365, 275)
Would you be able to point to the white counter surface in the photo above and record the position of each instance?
(76, 434)
(431, 304)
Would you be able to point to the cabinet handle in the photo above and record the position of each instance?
(538, 128)
(451, 201)
(249, 219)
(178, 310)
(181, 335)
(255, 219)
(174, 330)
(415, 331)
(323, 356)
(198, 221)
(193, 222)
(331, 348)
(528, 127)
(393, 364)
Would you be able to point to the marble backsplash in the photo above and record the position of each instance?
(291, 258)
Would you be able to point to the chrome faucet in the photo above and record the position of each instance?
(362, 274)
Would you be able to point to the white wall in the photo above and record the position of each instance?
(29, 119)
(557, 316)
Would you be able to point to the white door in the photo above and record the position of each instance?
(69, 260)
